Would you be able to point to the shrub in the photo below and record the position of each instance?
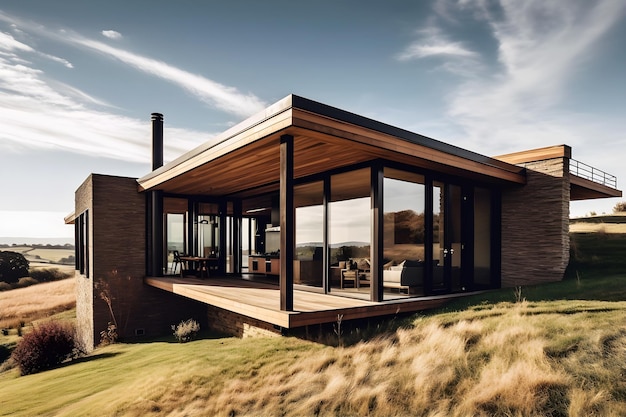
(48, 274)
(620, 207)
(46, 346)
(186, 330)
(109, 336)
(13, 266)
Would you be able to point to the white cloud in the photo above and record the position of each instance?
(33, 114)
(433, 42)
(39, 112)
(111, 34)
(9, 44)
(63, 61)
(215, 94)
(540, 45)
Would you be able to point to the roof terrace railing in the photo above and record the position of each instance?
(592, 174)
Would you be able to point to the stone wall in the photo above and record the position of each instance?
(535, 225)
(234, 324)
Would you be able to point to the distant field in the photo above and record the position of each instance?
(597, 228)
(41, 255)
(53, 255)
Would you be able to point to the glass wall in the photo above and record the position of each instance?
(175, 217)
(403, 233)
(438, 230)
(208, 230)
(349, 232)
(309, 252)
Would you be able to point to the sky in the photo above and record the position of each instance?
(79, 80)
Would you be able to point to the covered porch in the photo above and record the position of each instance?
(261, 301)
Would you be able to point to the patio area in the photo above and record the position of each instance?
(261, 301)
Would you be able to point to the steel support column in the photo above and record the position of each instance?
(287, 223)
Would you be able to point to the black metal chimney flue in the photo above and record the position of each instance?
(157, 140)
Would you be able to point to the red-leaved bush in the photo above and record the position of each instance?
(46, 346)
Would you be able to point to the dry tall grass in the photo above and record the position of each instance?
(36, 302)
(509, 360)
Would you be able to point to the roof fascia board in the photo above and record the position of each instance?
(539, 154)
(315, 122)
(414, 138)
(272, 119)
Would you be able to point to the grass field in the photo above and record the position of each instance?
(559, 352)
(25, 305)
(36, 254)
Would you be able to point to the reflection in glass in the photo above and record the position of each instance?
(404, 233)
(175, 212)
(309, 253)
(438, 235)
(350, 230)
(208, 230)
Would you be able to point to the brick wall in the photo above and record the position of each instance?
(117, 253)
(535, 225)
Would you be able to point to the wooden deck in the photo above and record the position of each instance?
(261, 301)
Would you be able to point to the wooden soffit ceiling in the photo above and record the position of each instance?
(245, 159)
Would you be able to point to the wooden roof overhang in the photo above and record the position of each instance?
(244, 161)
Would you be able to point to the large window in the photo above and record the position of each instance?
(81, 232)
(309, 253)
(404, 233)
(208, 230)
(175, 213)
(350, 230)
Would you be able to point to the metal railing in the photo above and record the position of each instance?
(592, 174)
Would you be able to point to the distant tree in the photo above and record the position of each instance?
(620, 207)
(13, 266)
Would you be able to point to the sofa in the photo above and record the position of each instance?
(404, 276)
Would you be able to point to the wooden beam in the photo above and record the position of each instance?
(287, 223)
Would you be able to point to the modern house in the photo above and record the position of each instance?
(305, 212)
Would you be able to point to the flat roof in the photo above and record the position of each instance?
(326, 138)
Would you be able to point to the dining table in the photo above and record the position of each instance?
(198, 263)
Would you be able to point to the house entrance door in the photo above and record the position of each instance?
(447, 270)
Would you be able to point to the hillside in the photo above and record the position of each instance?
(550, 350)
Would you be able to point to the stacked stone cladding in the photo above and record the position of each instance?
(84, 286)
(535, 225)
(234, 324)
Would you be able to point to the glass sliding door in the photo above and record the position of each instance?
(404, 234)
(438, 282)
(209, 235)
(349, 233)
(309, 253)
(447, 238)
(175, 219)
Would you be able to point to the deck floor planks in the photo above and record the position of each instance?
(262, 301)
